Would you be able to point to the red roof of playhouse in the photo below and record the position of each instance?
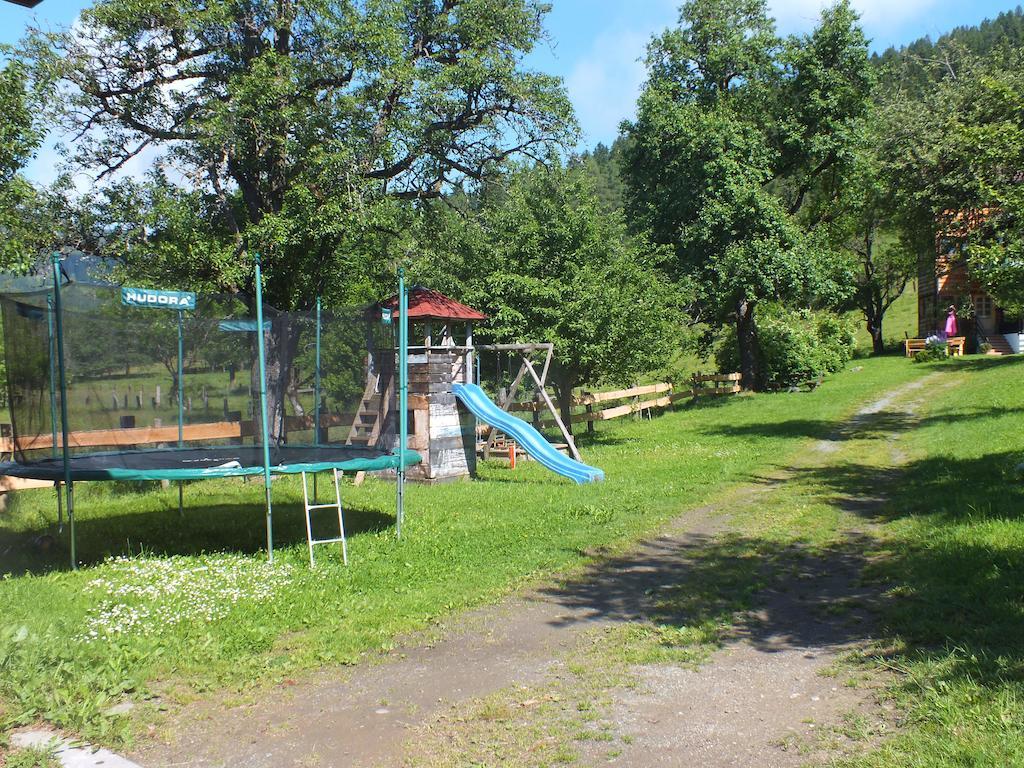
(425, 304)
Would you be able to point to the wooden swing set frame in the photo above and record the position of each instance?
(528, 366)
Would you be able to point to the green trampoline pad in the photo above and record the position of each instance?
(215, 461)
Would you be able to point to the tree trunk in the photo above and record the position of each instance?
(293, 392)
(746, 340)
(877, 340)
(281, 344)
(564, 384)
(874, 312)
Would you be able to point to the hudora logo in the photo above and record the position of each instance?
(168, 299)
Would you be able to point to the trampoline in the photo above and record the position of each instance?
(115, 383)
(215, 461)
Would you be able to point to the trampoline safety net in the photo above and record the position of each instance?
(153, 392)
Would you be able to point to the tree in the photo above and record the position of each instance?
(914, 68)
(289, 117)
(549, 265)
(738, 143)
(298, 126)
(864, 221)
(991, 136)
(958, 150)
(22, 210)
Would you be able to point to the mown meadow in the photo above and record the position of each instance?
(168, 609)
(73, 644)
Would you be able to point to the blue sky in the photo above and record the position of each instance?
(596, 45)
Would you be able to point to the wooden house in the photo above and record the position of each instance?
(944, 280)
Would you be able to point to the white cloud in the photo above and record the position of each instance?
(604, 83)
(879, 17)
(605, 80)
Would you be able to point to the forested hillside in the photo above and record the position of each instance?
(923, 61)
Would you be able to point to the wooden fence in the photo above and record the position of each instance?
(641, 398)
(217, 430)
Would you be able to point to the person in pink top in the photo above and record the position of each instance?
(951, 322)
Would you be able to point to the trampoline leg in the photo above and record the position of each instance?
(270, 520)
(71, 524)
(60, 506)
(341, 520)
(181, 499)
(309, 525)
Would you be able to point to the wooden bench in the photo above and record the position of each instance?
(954, 345)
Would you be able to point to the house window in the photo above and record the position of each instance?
(983, 306)
(948, 247)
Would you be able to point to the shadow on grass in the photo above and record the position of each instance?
(872, 425)
(975, 363)
(236, 528)
(950, 491)
(775, 596)
(945, 588)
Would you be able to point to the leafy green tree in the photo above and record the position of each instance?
(991, 136)
(23, 219)
(302, 127)
(958, 150)
(547, 264)
(291, 119)
(796, 345)
(19, 132)
(738, 142)
(865, 223)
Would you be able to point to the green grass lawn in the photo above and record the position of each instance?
(924, 501)
(190, 605)
(947, 550)
(194, 606)
(953, 551)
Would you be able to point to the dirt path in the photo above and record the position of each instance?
(756, 702)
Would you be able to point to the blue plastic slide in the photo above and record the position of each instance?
(530, 439)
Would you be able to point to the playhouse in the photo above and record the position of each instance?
(450, 416)
(441, 354)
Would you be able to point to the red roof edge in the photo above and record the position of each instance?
(427, 304)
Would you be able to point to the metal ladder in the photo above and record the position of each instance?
(309, 525)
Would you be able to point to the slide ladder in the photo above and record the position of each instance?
(532, 441)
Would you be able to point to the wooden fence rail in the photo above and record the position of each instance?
(667, 394)
(720, 384)
(217, 430)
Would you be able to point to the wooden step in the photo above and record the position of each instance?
(999, 344)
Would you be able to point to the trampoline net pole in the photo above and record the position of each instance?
(181, 404)
(403, 393)
(53, 405)
(68, 485)
(316, 380)
(264, 431)
(316, 392)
